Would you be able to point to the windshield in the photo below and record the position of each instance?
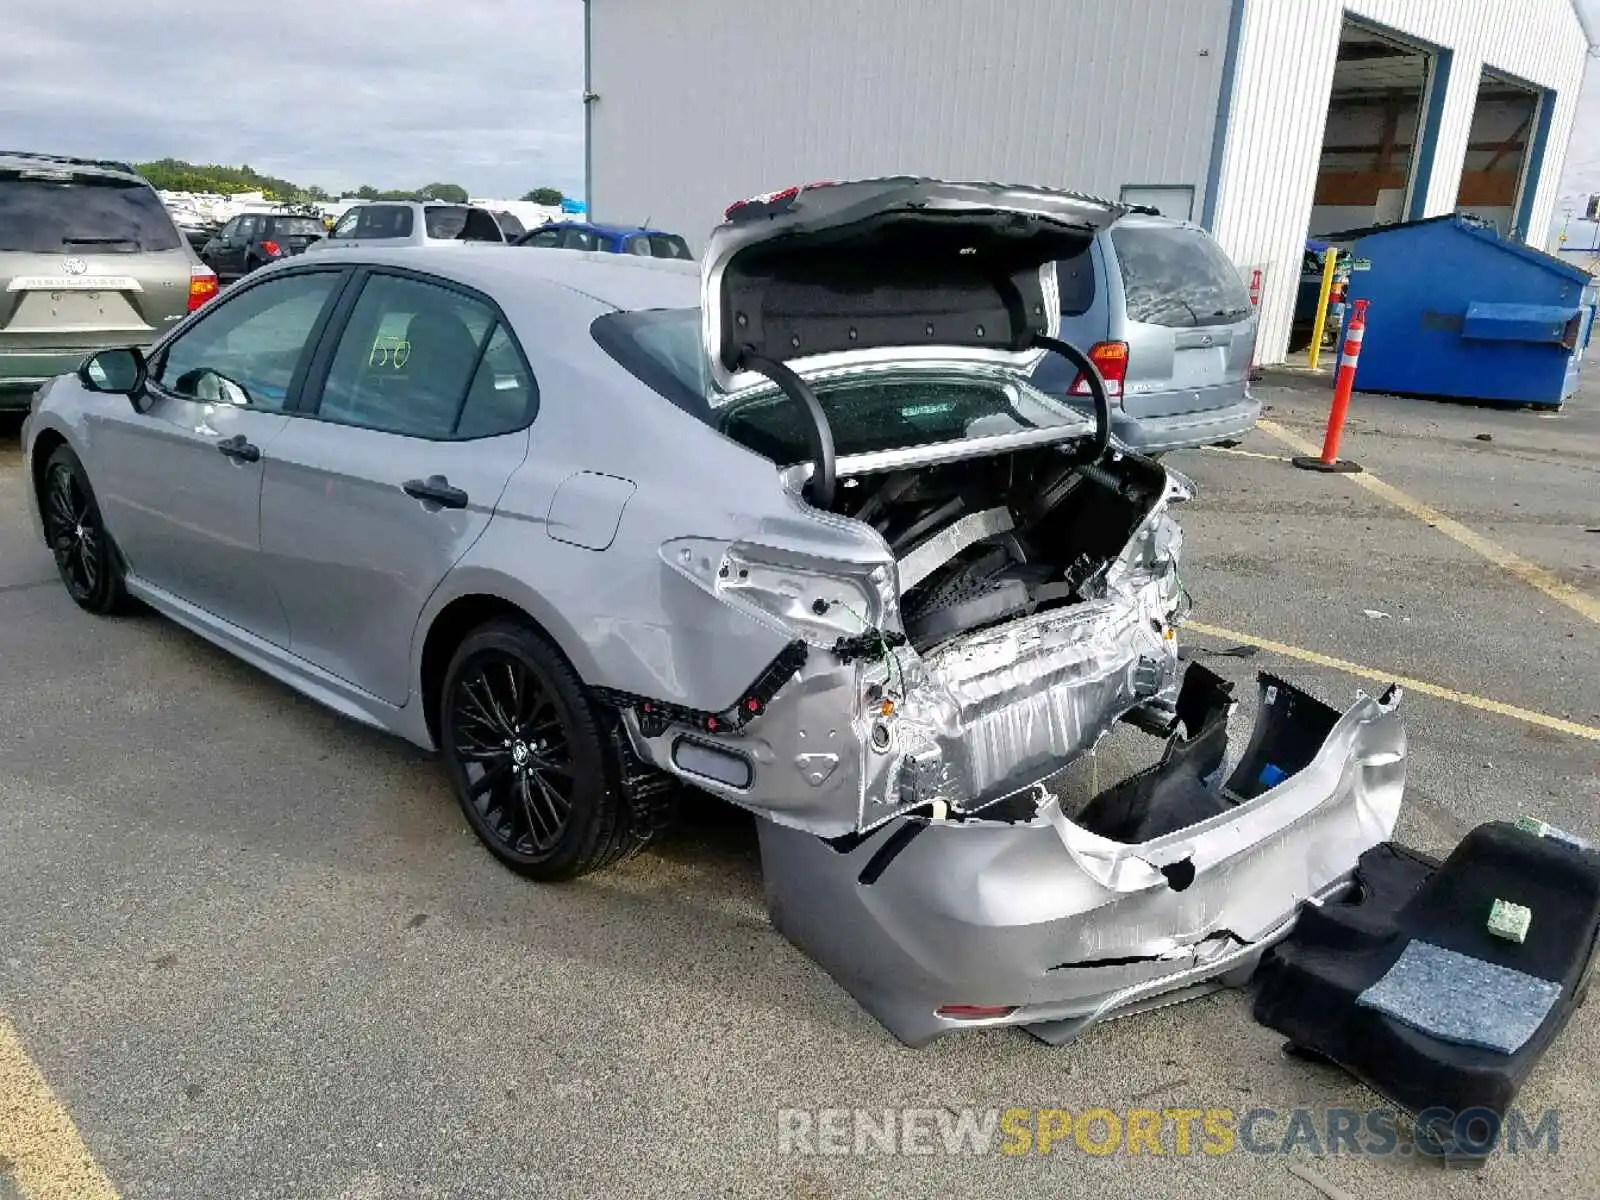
(54, 216)
(1177, 276)
(662, 348)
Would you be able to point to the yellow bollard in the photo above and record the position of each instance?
(1330, 264)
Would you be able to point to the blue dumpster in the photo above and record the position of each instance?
(1458, 310)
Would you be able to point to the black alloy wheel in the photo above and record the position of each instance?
(527, 757)
(85, 557)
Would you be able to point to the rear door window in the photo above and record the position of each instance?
(1075, 280)
(381, 221)
(54, 214)
(545, 237)
(669, 245)
(426, 361)
(1178, 277)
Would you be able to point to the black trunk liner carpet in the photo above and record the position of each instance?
(1309, 983)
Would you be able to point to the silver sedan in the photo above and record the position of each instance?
(793, 528)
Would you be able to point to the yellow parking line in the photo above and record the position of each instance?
(1406, 684)
(1529, 573)
(39, 1142)
(1246, 453)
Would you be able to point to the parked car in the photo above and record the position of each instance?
(1170, 325)
(89, 258)
(607, 239)
(197, 231)
(252, 240)
(394, 223)
(820, 548)
(510, 225)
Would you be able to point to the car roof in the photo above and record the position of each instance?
(504, 272)
(413, 204)
(1149, 219)
(23, 160)
(609, 230)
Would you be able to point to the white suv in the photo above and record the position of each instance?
(411, 223)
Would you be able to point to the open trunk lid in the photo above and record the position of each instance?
(899, 269)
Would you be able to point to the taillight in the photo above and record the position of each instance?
(202, 286)
(769, 205)
(976, 1012)
(272, 249)
(1112, 360)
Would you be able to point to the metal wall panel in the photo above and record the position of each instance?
(702, 102)
(1280, 104)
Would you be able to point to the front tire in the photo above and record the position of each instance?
(86, 558)
(529, 761)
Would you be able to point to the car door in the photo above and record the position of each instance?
(419, 419)
(238, 246)
(180, 483)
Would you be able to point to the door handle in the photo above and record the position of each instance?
(238, 449)
(435, 489)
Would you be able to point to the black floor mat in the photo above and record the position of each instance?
(1309, 983)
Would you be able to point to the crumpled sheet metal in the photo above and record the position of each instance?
(993, 713)
(1069, 927)
(990, 714)
(1002, 707)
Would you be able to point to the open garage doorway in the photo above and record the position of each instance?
(1496, 171)
(1374, 130)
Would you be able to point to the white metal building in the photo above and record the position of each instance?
(1265, 120)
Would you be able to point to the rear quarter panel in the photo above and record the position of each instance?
(623, 617)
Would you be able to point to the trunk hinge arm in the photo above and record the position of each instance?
(1101, 445)
(824, 474)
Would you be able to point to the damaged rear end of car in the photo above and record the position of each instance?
(968, 588)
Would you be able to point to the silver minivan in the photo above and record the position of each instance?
(1164, 314)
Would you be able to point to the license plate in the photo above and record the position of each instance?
(74, 283)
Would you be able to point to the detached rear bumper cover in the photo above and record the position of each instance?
(1066, 927)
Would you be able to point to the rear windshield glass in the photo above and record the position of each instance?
(1178, 277)
(105, 216)
(1075, 281)
(297, 227)
(509, 225)
(662, 347)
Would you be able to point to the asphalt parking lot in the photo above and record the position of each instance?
(254, 951)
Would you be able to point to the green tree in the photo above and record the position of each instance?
(366, 192)
(544, 195)
(449, 193)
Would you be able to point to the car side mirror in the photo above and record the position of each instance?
(120, 372)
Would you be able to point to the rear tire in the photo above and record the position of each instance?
(528, 758)
(86, 558)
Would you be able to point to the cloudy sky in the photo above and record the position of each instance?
(395, 93)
